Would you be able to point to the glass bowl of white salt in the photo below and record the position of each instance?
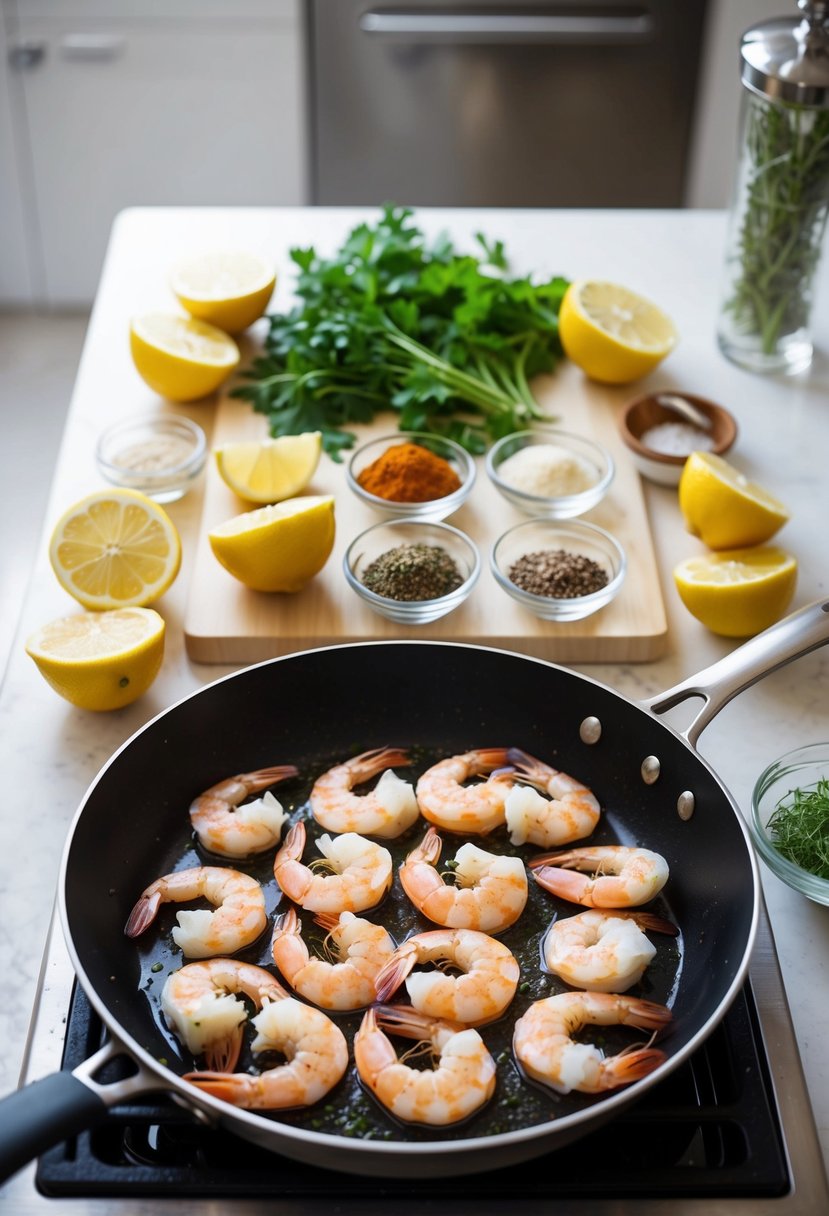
(160, 455)
(550, 474)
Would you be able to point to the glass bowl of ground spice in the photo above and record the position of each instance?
(559, 570)
(790, 819)
(160, 456)
(550, 474)
(410, 571)
(412, 475)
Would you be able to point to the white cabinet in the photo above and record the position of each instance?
(146, 103)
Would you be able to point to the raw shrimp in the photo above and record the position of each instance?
(571, 813)
(317, 1057)
(491, 891)
(231, 830)
(544, 1045)
(386, 811)
(463, 1078)
(602, 951)
(360, 872)
(238, 920)
(199, 1004)
(480, 994)
(361, 950)
(471, 809)
(622, 877)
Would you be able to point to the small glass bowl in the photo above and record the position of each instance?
(379, 538)
(435, 508)
(797, 769)
(564, 506)
(161, 457)
(574, 536)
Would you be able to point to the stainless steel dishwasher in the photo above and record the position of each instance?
(536, 104)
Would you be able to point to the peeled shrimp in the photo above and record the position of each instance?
(622, 877)
(461, 1082)
(199, 1004)
(491, 891)
(386, 811)
(472, 809)
(317, 1057)
(361, 950)
(238, 920)
(359, 872)
(571, 813)
(544, 1045)
(602, 951)
(480, 994)
(225, 827)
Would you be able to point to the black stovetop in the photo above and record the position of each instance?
(710, 1129)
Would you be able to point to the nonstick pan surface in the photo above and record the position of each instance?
(323, 706)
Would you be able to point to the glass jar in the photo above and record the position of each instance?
(782, 194)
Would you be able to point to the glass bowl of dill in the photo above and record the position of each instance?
(790, 819)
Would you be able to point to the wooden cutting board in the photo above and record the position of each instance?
(226, 623)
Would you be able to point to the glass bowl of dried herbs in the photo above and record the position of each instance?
(412, 572)
(411, 475)
(790, 819)
(560, 570)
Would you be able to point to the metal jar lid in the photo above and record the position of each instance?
(788, 58)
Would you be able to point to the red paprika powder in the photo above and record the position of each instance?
(408, 472)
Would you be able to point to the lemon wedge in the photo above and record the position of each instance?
(115, 549)
(272, 469)
(723, 508)
(611, 333)
(738, 592)
(279, 547)
(180, 358)
(230, 290)
(100, 660)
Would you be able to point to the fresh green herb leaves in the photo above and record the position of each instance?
(445, 339)
(799, 828)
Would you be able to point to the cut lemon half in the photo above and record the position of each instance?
(180, 358)
(115, 549)
(280, 547)
(270, 470)
(230, 290)
(723, 508)
(611, 333)
(100, 660)
(739, 592)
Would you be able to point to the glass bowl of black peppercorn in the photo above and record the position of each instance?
(412, 572)
(560, 570)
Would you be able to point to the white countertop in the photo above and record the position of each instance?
(51, 751)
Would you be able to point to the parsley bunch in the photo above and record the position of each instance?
(445, 339)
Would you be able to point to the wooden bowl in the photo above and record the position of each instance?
(645, 412)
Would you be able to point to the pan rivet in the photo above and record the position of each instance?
(650, 769)
(590, 730)
(685, 804)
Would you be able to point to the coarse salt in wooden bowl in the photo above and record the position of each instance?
(646, 412)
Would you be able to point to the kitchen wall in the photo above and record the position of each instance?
(125, 104)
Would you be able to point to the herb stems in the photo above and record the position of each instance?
(799, 828)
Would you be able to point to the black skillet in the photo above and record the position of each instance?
(314, 708)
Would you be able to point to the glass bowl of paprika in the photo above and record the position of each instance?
(412, 475)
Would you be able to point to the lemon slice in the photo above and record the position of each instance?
(230, 290)
(115, 549)
(181, 359)
(272, 469)
(723, 508)
(611, 333)
(100, 660)
(280, 547)
(739, 592)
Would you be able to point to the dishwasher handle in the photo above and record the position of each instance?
(595, 29)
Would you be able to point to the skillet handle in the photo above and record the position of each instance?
(46, 1112)
(790, 638)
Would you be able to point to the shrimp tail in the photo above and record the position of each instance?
(327, 920)
(389, 979)
(284, 924)
(407, 1022)
(629, 1066)
(381, 757)
(651, 923)
(488, 759)
(143, 914)
(293, 845)
(429, 848)
(645, 1015)
(230, 1087)
(264, 777)
(567, 884)
(534, 772)
(566, 860)
(223, 1055)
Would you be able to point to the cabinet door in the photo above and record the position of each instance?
(162, 112)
